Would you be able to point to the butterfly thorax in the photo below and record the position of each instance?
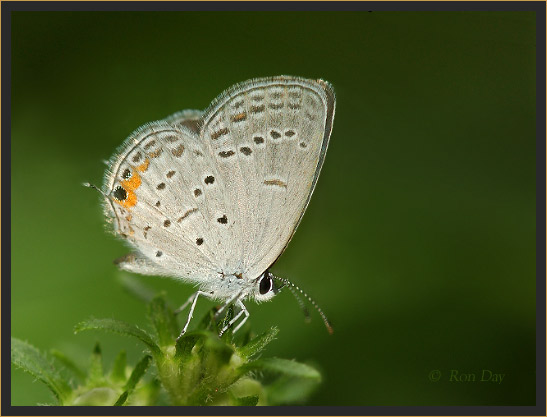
(227, 286)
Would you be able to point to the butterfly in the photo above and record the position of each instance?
(213, 198)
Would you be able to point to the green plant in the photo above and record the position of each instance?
(198, 369)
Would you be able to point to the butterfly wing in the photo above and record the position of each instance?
(155, 198)
(199, 195)
(268, 138)
(190, 119)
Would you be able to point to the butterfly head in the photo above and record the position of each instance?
(265, 287)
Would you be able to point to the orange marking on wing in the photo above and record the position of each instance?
(133, 182)
(156, 153)
(144, 166)
(239, 117)
(131, 185)
(130, 201)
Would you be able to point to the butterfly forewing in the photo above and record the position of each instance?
(268, 138)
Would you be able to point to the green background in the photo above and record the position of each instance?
(419, 241)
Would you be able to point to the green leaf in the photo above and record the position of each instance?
(118, 368)
(163, 320)
(185, 344)
(290, 390)
(257, 344)
(119, 327)
(69, 364)
(138, 373)
(135, 377)
(210, 341)
(282, 366)
(123, 398)
(97, 396)
(36, 363)
(245, 401)
(221, 350)
(95, 375)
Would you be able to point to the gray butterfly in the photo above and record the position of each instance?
(213, 198)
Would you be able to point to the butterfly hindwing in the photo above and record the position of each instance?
(190, 119)
(156, 201)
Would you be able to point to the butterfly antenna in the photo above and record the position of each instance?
(87, 184)
(301, 304)
(295, 290)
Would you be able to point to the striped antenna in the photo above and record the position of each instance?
(301, 304)
(295, 289)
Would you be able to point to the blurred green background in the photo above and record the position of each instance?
(419, 241)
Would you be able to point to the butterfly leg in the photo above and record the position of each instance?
(193, 299)
(243, 311)
(182, 307)
(226, 304)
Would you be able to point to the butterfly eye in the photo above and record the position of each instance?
(266, 285)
